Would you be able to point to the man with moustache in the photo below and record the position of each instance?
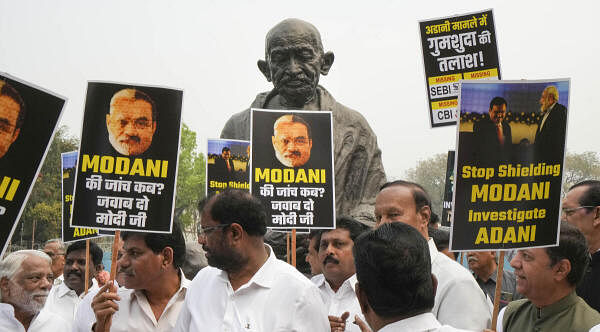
(246, 288)
(55, 248)
(459, 302)
(131, 122)
(550, 134)
(292, 140)
(581, 208)
(547, 277)
(336, 284)
(12, 115)
(484, 265)
(294, 62)
(64, 297)
(25, 280)
(155, 286)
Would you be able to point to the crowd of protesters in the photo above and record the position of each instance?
(393, 277)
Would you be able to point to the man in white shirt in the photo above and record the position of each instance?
(55, 248)
(336, 284)
(459, 301)
(246, 288)
(25, 280)
(64, 297)
(155, 286)
(396, 288)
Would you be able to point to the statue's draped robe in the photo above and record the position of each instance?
(358, 169)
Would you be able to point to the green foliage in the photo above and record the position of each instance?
(431, 174)
(44, 204)
(579, 167)
(190, 180)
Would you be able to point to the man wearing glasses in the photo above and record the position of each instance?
(246, 288)
(581, 208)
(56, 250)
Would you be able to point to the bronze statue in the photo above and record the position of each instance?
(294, 60)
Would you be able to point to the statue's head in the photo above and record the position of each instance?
(294, 59)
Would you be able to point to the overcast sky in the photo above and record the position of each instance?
(210, 48)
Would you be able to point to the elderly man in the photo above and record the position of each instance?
(484, 265)
(25, 280)
(395, 286)
(336, 284)
(64, 297)
(581, 208)
(459, 301)
(55, 248)
(12, 114)
(550, 134)
(294, 61)
(131, 122)
(155, 286)
(246, 288)
(547, 278)
(493, 135)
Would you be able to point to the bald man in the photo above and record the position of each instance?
(294, 62)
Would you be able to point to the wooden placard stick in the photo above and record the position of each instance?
(113, 261)
(294, 247)
(87, 266)
(498, 293)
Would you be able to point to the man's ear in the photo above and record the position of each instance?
(435, 283)
(362, 298)
(263, 66)
(562, 269)
(4, 286)
(237, 231)
(596, 221)
(327, 63)
(425, 214)
(167, 253)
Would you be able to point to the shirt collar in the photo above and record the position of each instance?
(557, 307)
(264, 277)
(184, 285)
(63, 289)
(320, 281)
(433, 252)
(422, 322)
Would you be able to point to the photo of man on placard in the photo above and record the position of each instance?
(292, 140)
(131, 122)
(12, 113)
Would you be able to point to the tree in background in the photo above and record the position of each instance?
(44, 204)
(579, 167)
(190, 180)
(431, 174)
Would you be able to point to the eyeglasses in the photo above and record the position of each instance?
(141, 123)
(205, 231)
(571, 211)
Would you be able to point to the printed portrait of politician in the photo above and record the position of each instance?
(292, 140)
(131, 122)
(12, 114)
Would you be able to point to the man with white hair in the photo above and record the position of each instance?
(550, 134)
(25, 280)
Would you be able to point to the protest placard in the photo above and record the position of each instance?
(292, 168)
(455, 48)
(127, 167)
(28, 119)
(227, 165)
(70, 234)
(448, 187)
(509, 166)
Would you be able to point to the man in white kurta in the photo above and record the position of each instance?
(246, 288)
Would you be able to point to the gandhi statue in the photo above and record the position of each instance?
(294, 60)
